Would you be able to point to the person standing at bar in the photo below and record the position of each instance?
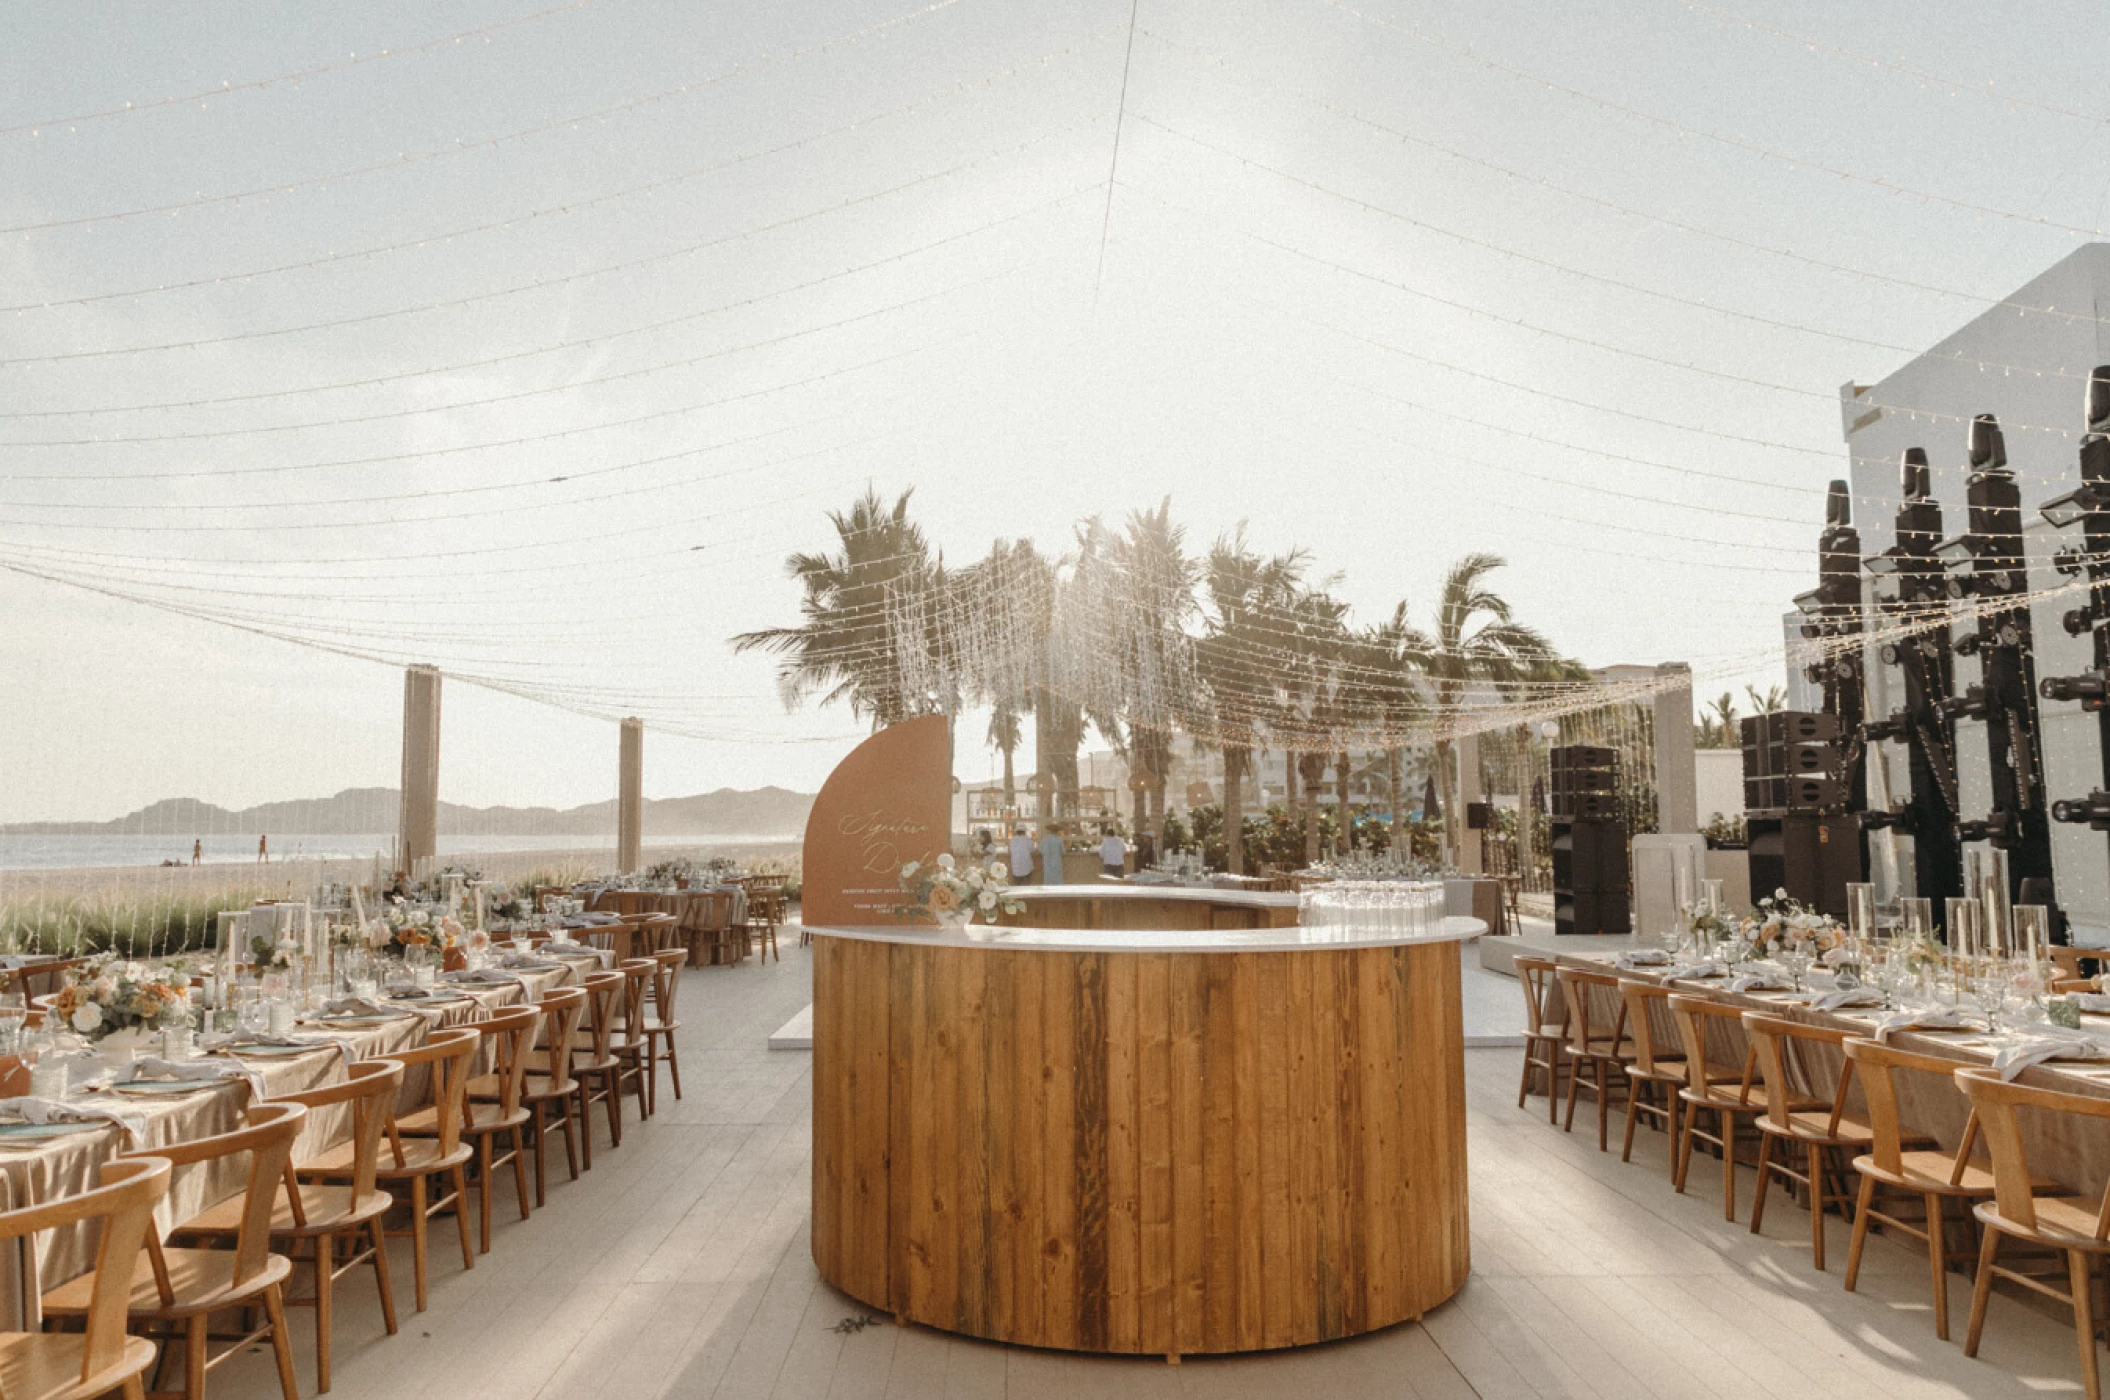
(1113, 854)
(1021, 856)
(1051, 854)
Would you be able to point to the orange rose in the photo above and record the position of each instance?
(943, 900)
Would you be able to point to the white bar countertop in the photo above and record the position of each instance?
(1456, 928)
(1244, 899)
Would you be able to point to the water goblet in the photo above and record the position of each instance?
(1989, 987)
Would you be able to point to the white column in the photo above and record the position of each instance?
(1469, 792)
(1677, 782)
(418, 824)
(630, 798)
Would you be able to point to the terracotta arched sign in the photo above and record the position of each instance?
(885, 805)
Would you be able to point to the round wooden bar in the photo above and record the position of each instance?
(1192, 1142)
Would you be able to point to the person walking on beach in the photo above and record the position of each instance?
(197, 852)
(263, 849)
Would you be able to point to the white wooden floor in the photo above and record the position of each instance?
(679, 1267)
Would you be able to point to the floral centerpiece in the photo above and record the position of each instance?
(1785, 923)
(112, 998)
(958, 894)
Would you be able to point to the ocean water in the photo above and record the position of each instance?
(18, 852)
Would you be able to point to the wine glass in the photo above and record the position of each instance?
(1795, 955)
(14, 1011)
(1989, 986)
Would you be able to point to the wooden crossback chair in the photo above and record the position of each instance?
(2075, 1227)
(630, 1044)
(103, 1356)
(1712, 1087)
(175, 1291)
(496, 1111)
(1936, 1178)
(1655, 1077)
(337, 1228)
(594, 1064)
(417, 1161)
(1822, 1129)
(660, 1023)
(1545, 1028)
(1601, 1050)
(548, 1082)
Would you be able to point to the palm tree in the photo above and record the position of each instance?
(1773, 700)
(847, 646)
(1477, 642)
(1155, 652)
(1395, 647)
(1248, 600)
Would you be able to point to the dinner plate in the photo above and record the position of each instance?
(37, 1132)
(418, 997)
(275, 1052)
(166, 1088)
(350, 1020)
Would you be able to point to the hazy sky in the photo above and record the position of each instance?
(1367, 284)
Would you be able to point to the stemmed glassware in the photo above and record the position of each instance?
(1795, 955)
(1989, 985)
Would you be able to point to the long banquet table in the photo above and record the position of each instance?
(33, 1172)
(2067, 1149)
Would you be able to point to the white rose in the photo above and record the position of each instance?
(945, 861)
(1780, 894)
(997, 871)
(87, 1018)
(911, 868)
(988, 899)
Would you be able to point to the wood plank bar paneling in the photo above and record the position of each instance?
(1138, 1151)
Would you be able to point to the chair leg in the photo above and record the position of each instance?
(417, 1236)
(281, 1344)
(1524, 1079)
(571, 1143)
(1633, 1100)
(1981, 1290)
(1859, 1239)
(585, 1123)
(381, 1279)
(520, 1171)
(1604, 1093)
(1938, 1262)
(2079, 1273)
(1765, 1171)
(1554, 1059)
(612, 1081)
(134, 1388)
(1817, 1206)
(1729, 1165)
(1673, 1108)
(540, 1166)
(461, 1215)
(325, 1268)
(195, 1336)
(483, 1192)
(1684, 1152)
(674, 1064)
(1574, 1083)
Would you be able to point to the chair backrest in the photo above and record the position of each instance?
(2068, 959)
(1640, 998)
(1996, 1103)
(1586, 1028)
(561, 1012)
(124, 1202)
(1536, 977)
(448, 1054)
(511, 1034)
(2061, 986)
(1878, 1065)
(604, 999)
(666, 981)
(370, 1087)
(637, 977)
(1691, 1014)
(268, 1139)
(1769, 1036)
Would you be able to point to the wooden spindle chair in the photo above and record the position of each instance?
(660, 1023)
(416, 1162)
(509, 1034)
(1545, 1028)
(630, 1045)
(1593, 1048)
(334, 1229)
(1935, 1178)
(549, 1082)
(176, 1291)
(2075, 1227)
(103, 1356)
(1712, 1087)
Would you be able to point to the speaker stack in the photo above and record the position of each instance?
(1801, 838)
(1589, 843)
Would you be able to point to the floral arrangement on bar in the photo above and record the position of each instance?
(111, 996)
(956, 894)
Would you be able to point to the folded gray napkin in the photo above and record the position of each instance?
(1926, 1018)
(2046, 1042)
(359, 1006)
(1759, 982)
(2091, 1001)
(31, 1109)
(150, 1067)
(233, 1044)
(486, 976)
(1683, 971)
(1846, 997)
(1641, 957)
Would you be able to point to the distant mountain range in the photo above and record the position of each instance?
(769, 811)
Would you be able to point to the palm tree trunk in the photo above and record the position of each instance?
(1311, 768)
(1346, 841)
(1400, 841)
(1234, 807)
(1010, 780)
(1447, 786)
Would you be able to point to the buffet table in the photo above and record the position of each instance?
(1133, 1129)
